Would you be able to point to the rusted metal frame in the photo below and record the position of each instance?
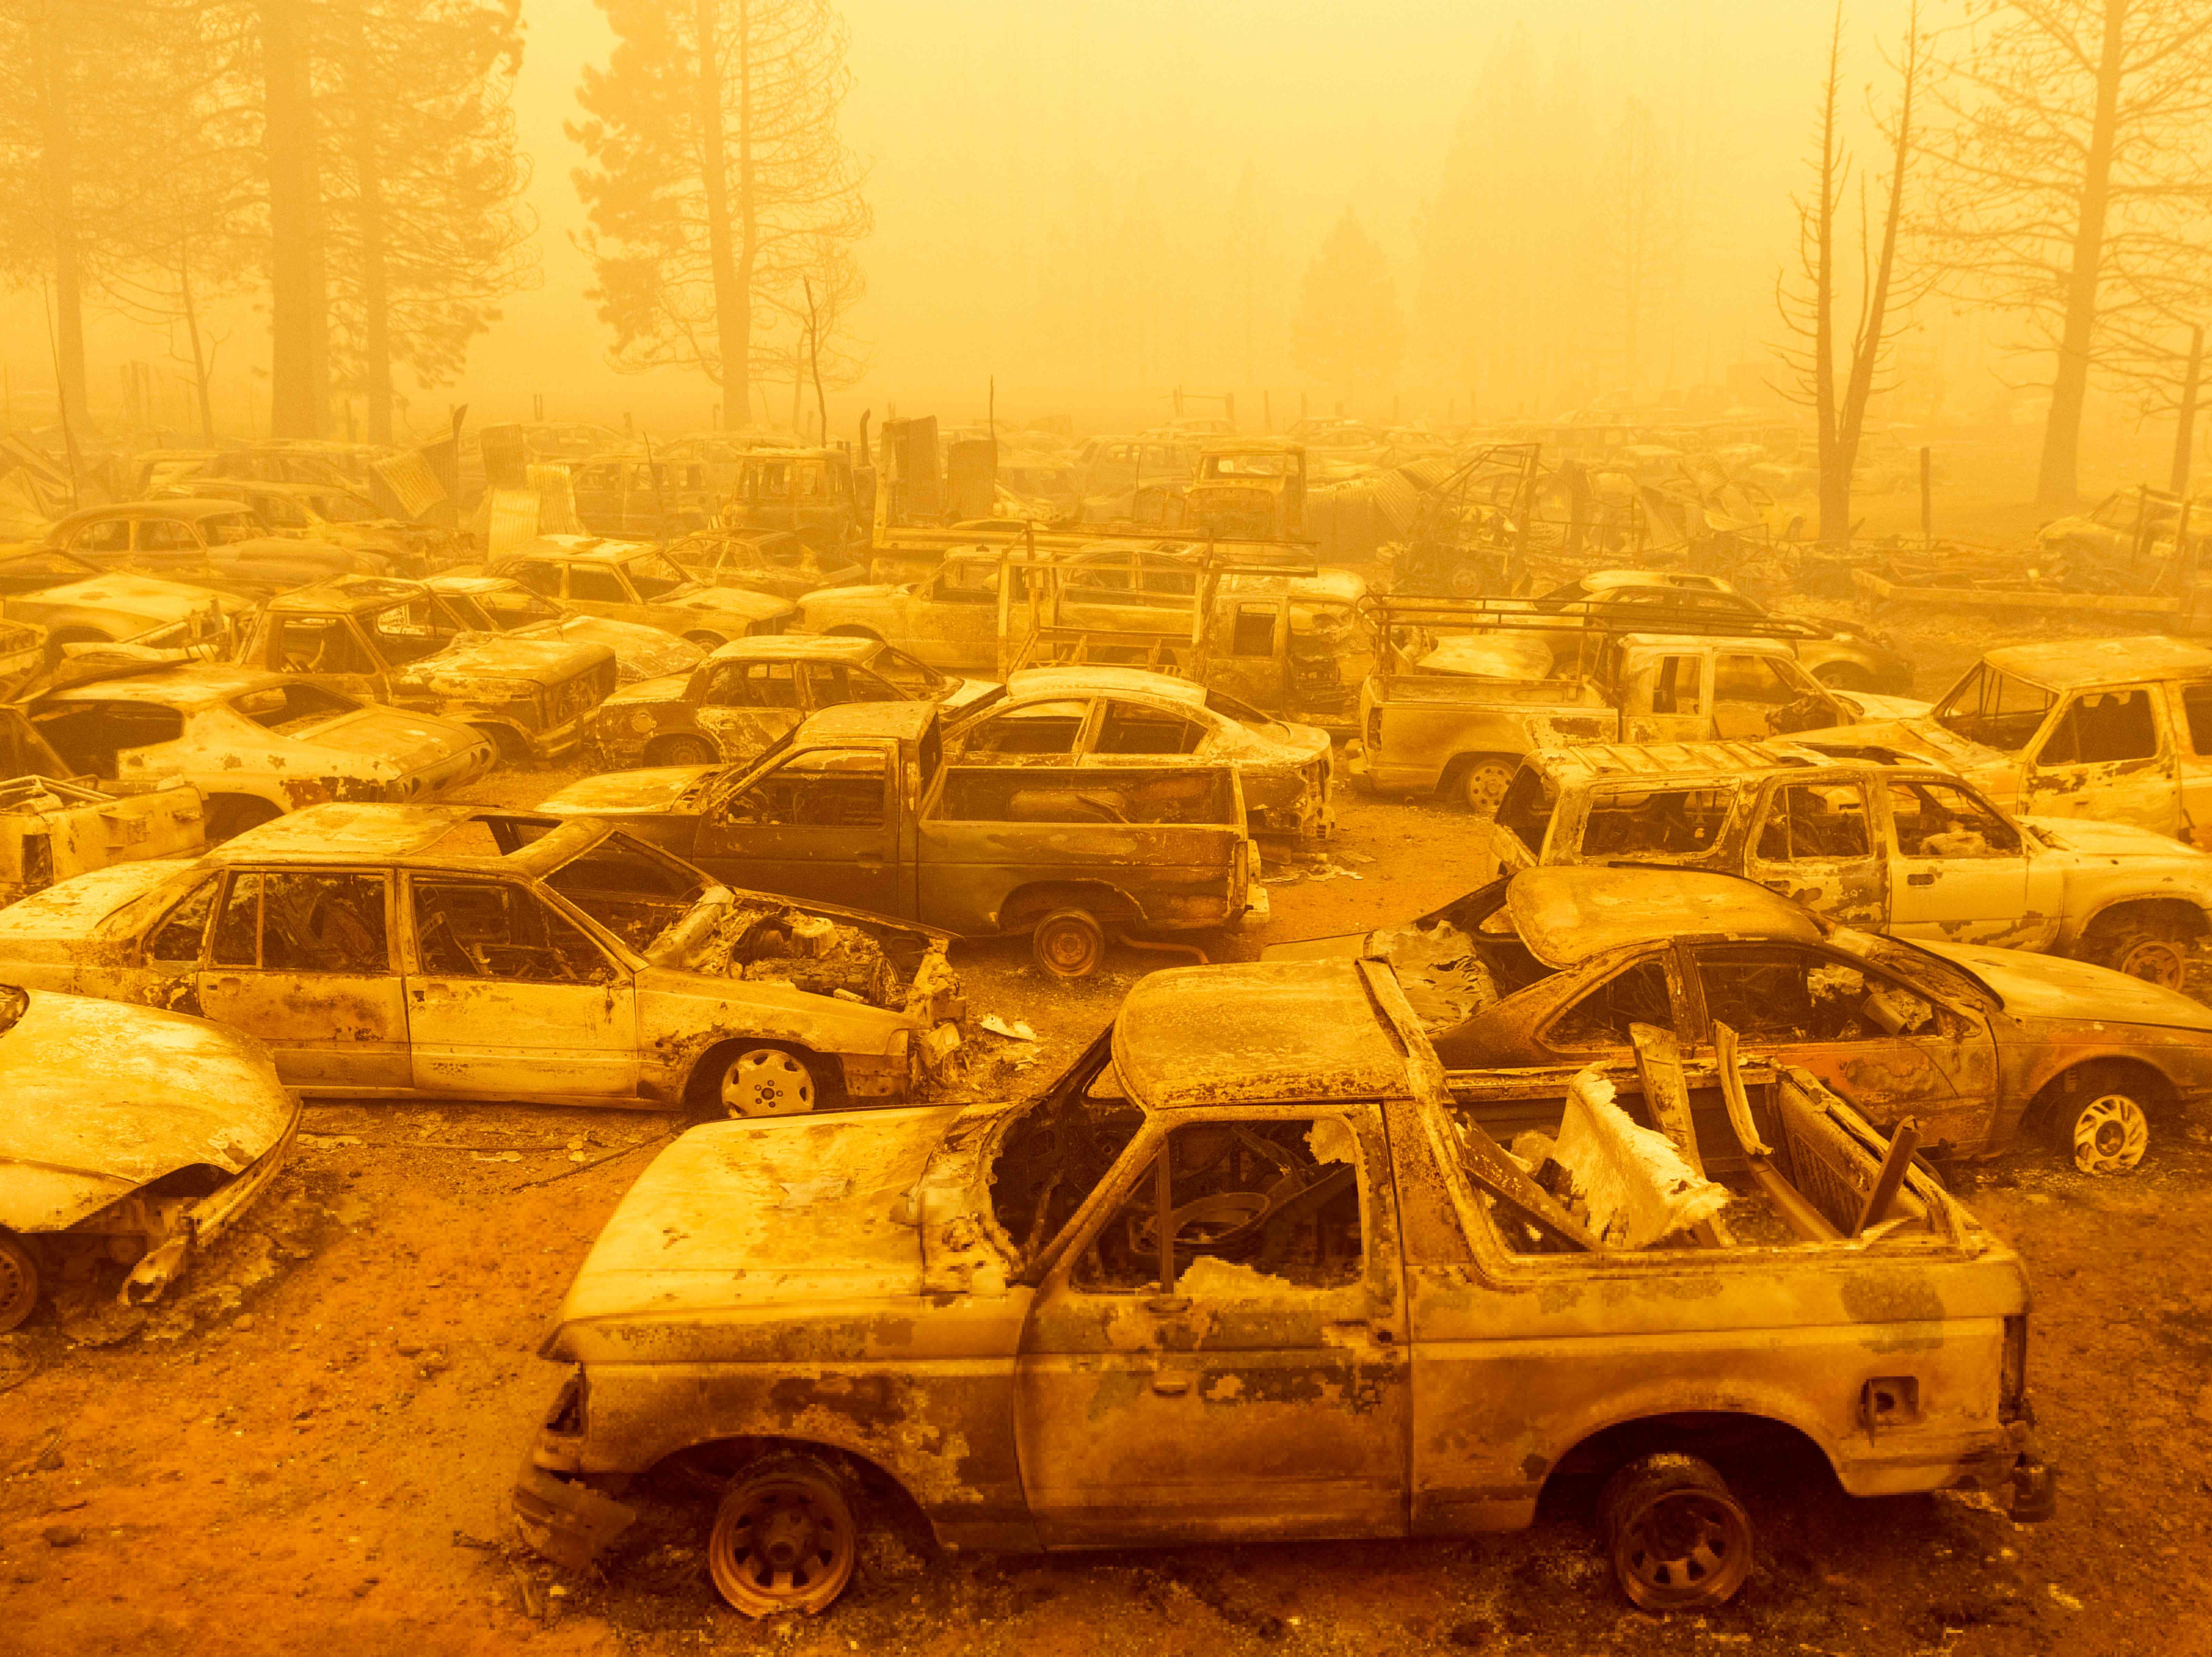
(1802, 1216)
(1904, 1140)
(1667, 1096)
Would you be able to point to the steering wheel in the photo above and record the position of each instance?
(441, 929)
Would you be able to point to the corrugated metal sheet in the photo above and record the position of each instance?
(409, 477)
(556, 500)
(510, 519)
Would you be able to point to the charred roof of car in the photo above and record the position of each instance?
(188, 508)
(181, 685)
(1258, 1033)
(1062, 681)
(348, 593)
(906, 721)
(1568, 913)
(354, 833)
(2079, 662)
(1689, 763)
(796, 646)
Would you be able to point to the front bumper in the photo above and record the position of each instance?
(562, 1521)
(204, 1221)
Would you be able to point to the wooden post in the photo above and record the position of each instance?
(1927, 497)
(1267, 411)
(2184, 434)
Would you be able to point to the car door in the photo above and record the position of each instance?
(509, 998)
(1240, 1371)
(1888, 1050)
(1960, 873)
(2189, 716)
(597, 590)
(1755, 697)
(302, 959)
(1664, 698)
(328, 651)
(1814, 843)
(2106, 755)
(822, 824)
(748, 705)
(952, 623)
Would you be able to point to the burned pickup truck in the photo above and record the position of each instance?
(443, 952)
(1454, 712)
(394, 641)
(1902, 849)
(1249, 1271)
(859, 805)
(2115, 729)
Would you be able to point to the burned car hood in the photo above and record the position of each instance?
(791, 1211)
(730, 601)
(478, 655)
(2094, 837)
(640, 651)
(661, 688)
(616, 793)
(1872, 706)
(98, 1098)
(143, 595)
(2049, 986)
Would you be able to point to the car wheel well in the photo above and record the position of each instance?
(2174, 914)
(704, 1469)
(1744, 1448)
(660, 751)
(854, 631)
(1109, 906)
(701, 1088)
(513, 749)
(706, 641)
(2122, 1075)
(229, 815)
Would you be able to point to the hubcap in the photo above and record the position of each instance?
(2156, 961)
(2110, 1135)
(767, 1082)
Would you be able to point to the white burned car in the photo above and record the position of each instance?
(127, 1134)
(442, 952)
(256, 744)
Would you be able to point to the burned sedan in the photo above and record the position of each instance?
(752, 691)
(129, 1136)
(443, 952)
(256, 744)
(1108, 716)
(496, 604)
(1554, 966)
(1247, 1273)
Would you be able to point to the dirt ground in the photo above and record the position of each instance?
(312, 1438)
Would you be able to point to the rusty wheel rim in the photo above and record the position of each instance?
(1684, 1548)
(767, 1081)
(19, 1284)
(1068, 949)
(1485, 788)
(2111, 1135)
(785, 1542)
(2157, 961)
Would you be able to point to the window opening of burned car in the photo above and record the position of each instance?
(1037, 728)
(1602, 1017)
(1656, 822)
(824, 787)
(654, 576)
(910, 677)
(296, 921)
(1784, 993)
(1937, 820)
(1463, 958)
(596, 584)
(753, 684)
(508, 609)
(1132, 728)
(89, 735)
(319, 644)
(1057, 1150)
(631, 893)
(1995, 709)
(182, 933)
(1275, 1197)
(1675, 690)
(1824, 822)
(1525, 811)
(2197, 708)
(491, 929)
(2100, 726)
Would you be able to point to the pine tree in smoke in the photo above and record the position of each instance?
(1347, 333)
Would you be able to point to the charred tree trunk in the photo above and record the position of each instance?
(2056, 479)
(1866, 345)
(58, 189)
(1835, 526)
(374, 251)
(299, 355)
(202, 370)
(731, 268)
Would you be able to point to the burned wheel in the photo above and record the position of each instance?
(1482, 784)
(685, 751)
(1677, 1536)
(229, 815)
(1844, 675)
(784, 1539)
(2157, 955)
(1068, 944)
(19, 1283)
(2103, 1130)
(767, 1081)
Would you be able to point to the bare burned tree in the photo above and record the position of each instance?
(1812, 313)
(2071, 181)
(423, 187)
(718, 180)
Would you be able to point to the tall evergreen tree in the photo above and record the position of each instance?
(1347, 333)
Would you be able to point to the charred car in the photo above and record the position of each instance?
(54, 824)
(334, 515)
(630, 581)
(1896, 847)
(78, 602)
(256, 745)
(393, 641)
(499, 603)
(1248, 1272)
(774, 562)
(194, 539)
(129, 1136)
(745, 695)
(445, 952)
(1554, 966)
(1104, 718)
(861, 803)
